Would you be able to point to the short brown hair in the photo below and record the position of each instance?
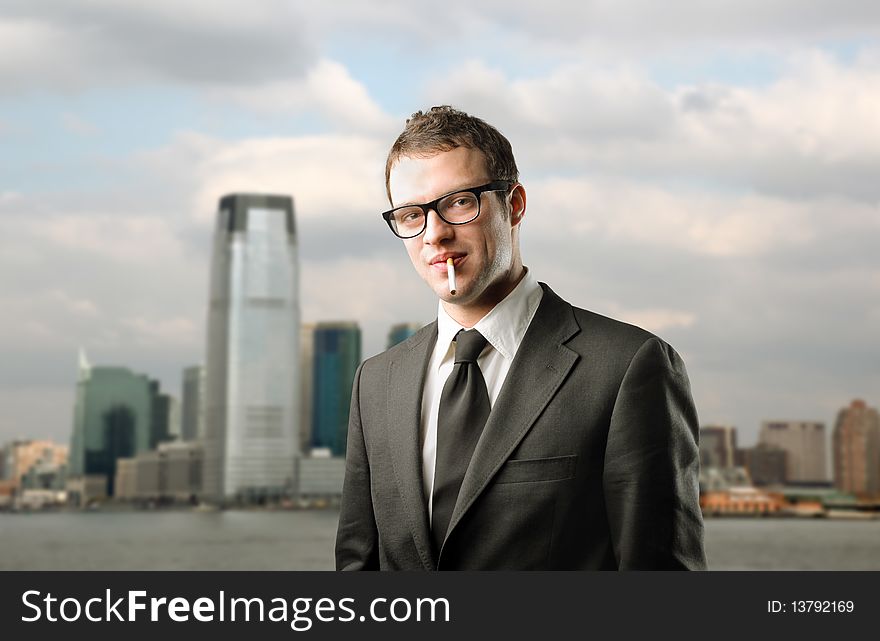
(445, 128)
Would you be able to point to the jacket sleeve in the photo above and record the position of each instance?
(356, 537)
(651, 473)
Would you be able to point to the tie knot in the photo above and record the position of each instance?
(468, 345)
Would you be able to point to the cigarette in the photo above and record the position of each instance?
(450, 271)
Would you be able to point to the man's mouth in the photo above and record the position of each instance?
(438, 262)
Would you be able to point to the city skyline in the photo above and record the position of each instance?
(729, 149)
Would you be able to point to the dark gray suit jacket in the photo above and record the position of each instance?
(588, 460)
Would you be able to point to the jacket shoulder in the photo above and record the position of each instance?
(380, 361)
(603, 339)
(597, 326)
(617, 343)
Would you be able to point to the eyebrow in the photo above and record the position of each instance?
(464, 187)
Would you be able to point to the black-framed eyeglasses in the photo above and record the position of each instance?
(456, 208)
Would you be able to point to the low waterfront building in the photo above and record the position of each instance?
(172, 473)
(6, 491)
(321, 475)
(26, 460)
(83, 491)
(722, 478)
(40, 499)
(741, 501)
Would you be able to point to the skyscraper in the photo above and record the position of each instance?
(766, 464)
(113, 418)
(160, 424)
(251, 399)
(717, 446)
(307, 377)
(192, 410)
(857, 450)
(337, 356)
(804, 444)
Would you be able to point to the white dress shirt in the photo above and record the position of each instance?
(503, 327)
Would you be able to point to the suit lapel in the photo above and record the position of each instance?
(406, 378)
(541, 364)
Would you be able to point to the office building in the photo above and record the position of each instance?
(307, 377)
(192, 406)
(172, 473)
(857, 450)
(767, 464)
(252, 360)
(804, 445)
(337, 356)
(174, 418)
(162, 428)
(717, 446)
(321, 475)
(113, 418)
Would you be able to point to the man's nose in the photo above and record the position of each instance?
(436, 229)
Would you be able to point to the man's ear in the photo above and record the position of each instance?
(517, 204)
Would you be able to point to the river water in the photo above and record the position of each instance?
(303, 540)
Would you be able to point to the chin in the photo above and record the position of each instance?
(441, 289)
(445, 296)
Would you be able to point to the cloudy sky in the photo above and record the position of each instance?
(708, 170)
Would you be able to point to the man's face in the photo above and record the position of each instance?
(483, 250)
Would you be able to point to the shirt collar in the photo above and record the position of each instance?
(505, 325)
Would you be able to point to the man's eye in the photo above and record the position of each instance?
(410, 216)
(463, 202)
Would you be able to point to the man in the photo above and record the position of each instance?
(515, 431)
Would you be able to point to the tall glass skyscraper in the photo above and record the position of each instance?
(252, 404)
(337, 356)
(192, 412)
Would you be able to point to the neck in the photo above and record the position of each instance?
(467, 315)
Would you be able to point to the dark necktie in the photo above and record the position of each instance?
(464, 408)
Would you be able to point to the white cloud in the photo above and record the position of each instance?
(371, 288)
(328, 175)
(76, 125)
(118, 282)
(328, 89)
(9, 198)
(624, 213)
(162, 332)
(81, 307)
(653, 320)
(812, 132)
(28, 54)
(631, 25)
(122, 238)
(64, 46)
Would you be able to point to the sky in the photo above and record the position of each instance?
(706, 170)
